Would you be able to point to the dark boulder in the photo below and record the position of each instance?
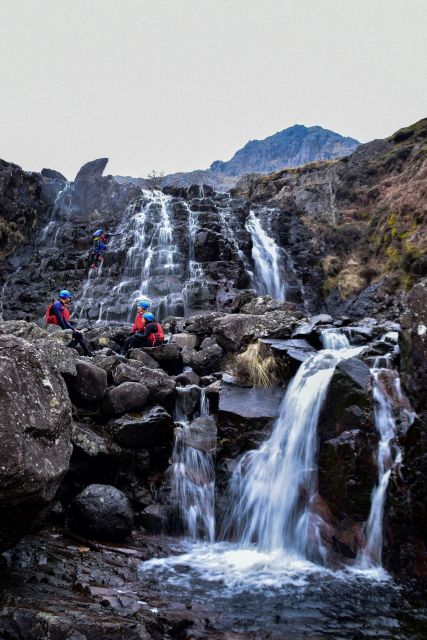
(154, 518)
(184, 340)
(160, 386)
(206, 361)
(144, 358)
(90, 383)
(128, 396)
(124, 372)
(92, 169)
(245, 416)
(152, 428)
(187, 377)
(201, 434)
(187, 401)
(103, 511)
(202, 324)
(35, 426)
(348, 473)
(236, 331)
(348, 404)
(168, 357)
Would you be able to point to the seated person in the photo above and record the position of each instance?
(58, 313)
(151, 336)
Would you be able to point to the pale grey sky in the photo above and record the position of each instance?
(174, 84)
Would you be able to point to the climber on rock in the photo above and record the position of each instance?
(58, 313)
(138, 326)
(100, 241)
(151, 336)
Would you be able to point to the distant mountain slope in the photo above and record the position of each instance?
(292, 147)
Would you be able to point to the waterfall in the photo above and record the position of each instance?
(152, 268)
(196, 290)
(385, 423)
(268, 275)
(273, 488)
(61, 212)
(193, 475)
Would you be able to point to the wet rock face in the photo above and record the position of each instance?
(35, 423)
(245, 417)
(348, 473)
(103, 511)
(348, 403)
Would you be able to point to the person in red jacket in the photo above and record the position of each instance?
(58, 313)
(138, 326)
(151, 335)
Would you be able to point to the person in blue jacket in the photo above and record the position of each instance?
(100, 241)
(58, 313)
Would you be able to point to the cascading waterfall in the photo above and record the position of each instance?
(152, 264)
(388, 452)
(268, 276)
(61, 212)
(196, 289)
(193, 477)
(273, 488)
(371, 554)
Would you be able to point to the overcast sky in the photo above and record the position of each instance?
(173, 85)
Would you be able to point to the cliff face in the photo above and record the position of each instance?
(292, 147)
(363, 219)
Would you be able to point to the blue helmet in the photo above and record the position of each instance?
(148, 316)
(145, 304)
(97, 233)
(64, 293)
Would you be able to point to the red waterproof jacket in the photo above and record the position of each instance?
(139, 324)
(50, 317)
(158, 335)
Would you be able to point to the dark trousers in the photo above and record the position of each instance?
(137, 341)
(78, 339)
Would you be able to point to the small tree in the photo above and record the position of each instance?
(155, 179)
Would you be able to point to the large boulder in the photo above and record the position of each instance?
(160, 386)
(348, 473)
(204, 361)
(234, 332)
(348, 404)
(152, 427)
(201, 434)
(128, 396)
(168, 357)
(103, 511)
(90, 383)
(35, 426)
(52, 341)
(245, 416)
(144, 358)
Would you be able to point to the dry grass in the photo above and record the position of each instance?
(255, 367)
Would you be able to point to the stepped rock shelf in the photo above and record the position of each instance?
(261, 475)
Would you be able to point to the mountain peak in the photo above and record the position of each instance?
(291, 147)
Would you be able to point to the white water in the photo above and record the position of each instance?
(269, 276)
(193, 477)
(196, 287)
(385, 423)
(50, 234)
(274, 488)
